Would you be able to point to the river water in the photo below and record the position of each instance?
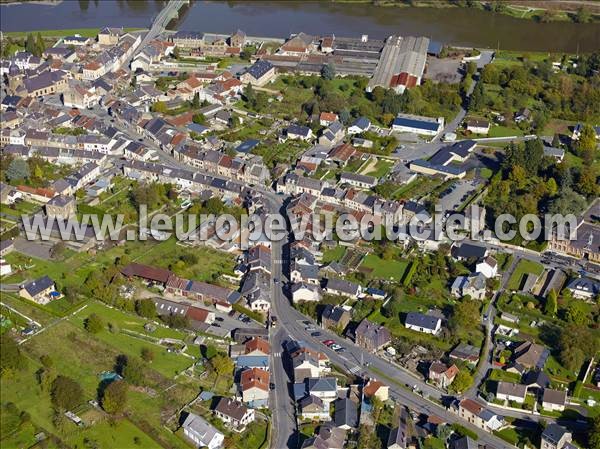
(280, 18)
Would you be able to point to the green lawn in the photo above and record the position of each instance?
(524, 266)
(504, 131)
(380, 169)
(168, 364)
(334, 254)
(74, 269)
(210, 266)
(385, 269)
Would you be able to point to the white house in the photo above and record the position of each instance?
(202, 433)
(554, 400)
(298, 132)
(478, 126)
(423, 323)
(305, 292)
(488, 267)
(584, 288)
(508, 391)
(360, 125)
(234, 414)
(416, 124)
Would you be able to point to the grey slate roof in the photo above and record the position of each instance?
(421, 320)
(37, 286)
(345, 413)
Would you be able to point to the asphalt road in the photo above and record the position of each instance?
(291, 327)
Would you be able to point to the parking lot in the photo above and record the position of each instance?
(457, 194)
(446, 70)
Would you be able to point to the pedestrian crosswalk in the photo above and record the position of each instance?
(277, 355)
(355, 369)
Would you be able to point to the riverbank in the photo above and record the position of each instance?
(85, 32)
(538, 11)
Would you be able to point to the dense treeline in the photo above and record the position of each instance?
(530, 183)
(571, 95)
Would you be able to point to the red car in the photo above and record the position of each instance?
(328, 342)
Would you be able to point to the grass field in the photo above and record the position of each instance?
(524, 267)
(80, 357)
(168, 364)
(504, 131)
(381, 168)
(210, 266)
(385, 269)
(334, 254)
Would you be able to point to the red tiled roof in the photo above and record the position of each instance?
(48, 193)
(258, 344)
(197, 314)
(372, 387)
(255, 377)
(328, 116)
(404, 79)
(146, 272)
(343, 152)
(471, 406)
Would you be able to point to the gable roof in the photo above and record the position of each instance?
(254, 378)
(345, 413)
(421, 320)
(37, 286)
(558, 397)
(231, 408)
(259, 68)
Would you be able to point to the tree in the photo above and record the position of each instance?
(471, 68)
(462, 381)
(147, 355)
(567, 202)
(114, 398)
(145, 307)
(443, 432)
(367, 437)
(196, 101)
(328, 72)
(222, 364)
(93, 323)
(575, 343)
(556, 141)
(66, 393)
(249, 94)
(587, 142)
(583, 15)
(45, 377)
(476, 102)
(133, 371)
(551, 304)
(578, 313)
(58, 250)
(587, 183)
(595, 433)
(160, 107)
(17, 170)
(199, 119)
(11, 358)
(40, 45)
(176, 52)
(30, 44)
(465, 315)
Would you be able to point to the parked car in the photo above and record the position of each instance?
(328, 342)
(218, 318)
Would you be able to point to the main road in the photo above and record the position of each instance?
(355, 360)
